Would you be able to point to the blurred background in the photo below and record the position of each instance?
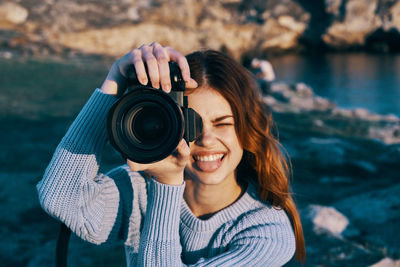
(334, 97)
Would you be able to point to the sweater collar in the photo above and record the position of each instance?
(247, 201)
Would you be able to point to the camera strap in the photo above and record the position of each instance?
(62, 246)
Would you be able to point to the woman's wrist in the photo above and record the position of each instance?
(115, 83)
(109, 87)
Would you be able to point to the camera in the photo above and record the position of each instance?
(146, 124)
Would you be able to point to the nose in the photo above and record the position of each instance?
(207, 137)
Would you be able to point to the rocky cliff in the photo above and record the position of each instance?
(242, 28)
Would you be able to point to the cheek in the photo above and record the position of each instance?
(230, 139)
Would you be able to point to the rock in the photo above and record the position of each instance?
(328, 151)
(391, 16)
(369, 211)
(242, 28)
(316, 114)
(114, 41)
(389, 134)
(304, 90)
(192, 25)
(391, 155)
(290, 23)
(297, 98)
(236, 27)
(6, 54)
(12, 13)
(280, 37)
(361, 113)
(359, 21)
(383, 204)
(326, 219)
(364, 165)
(374, 25)
(387, 262)
(364, 114)
(333, 7)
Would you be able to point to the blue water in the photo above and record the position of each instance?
(350, 80)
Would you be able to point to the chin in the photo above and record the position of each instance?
(206, 178)
(209, 178)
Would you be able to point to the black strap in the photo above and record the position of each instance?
(62, 246)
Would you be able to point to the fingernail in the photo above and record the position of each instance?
(167, 88)
(143, 81)
(192, 84)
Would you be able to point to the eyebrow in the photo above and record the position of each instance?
(222, 118)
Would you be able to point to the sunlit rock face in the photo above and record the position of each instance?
(231, 26)
(242, 28)
(360, 23)
(113, 27)
(352, 26)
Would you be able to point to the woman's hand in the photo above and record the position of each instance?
(156, 58)
(169, 170)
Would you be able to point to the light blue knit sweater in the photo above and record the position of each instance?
(153, 220)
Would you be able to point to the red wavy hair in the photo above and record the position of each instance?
(262, 159)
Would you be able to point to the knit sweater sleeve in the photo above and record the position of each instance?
(265, 238)
(71, 189)
(159, 238)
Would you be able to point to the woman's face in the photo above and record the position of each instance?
(217, 152)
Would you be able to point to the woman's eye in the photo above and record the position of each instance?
(223, 124)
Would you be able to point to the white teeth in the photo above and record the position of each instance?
(209, 158)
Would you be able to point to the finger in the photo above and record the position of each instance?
(183, 152)
(163, 59)
(152, 65)
(136, 59)
(191, 84)
(182, 62)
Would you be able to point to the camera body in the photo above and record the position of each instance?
(146, 124)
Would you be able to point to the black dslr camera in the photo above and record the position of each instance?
(146, 124)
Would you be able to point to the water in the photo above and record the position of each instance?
(39, 89)
(350, 80)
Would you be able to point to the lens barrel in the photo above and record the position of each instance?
(145, 125)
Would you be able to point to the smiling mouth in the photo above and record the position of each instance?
(208, 158)
(208, 163)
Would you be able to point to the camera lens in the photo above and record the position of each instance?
(149, 124)
(145, 125)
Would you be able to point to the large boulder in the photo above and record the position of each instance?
(371, 24)
(326, 219)
(12, 14)
(359, 21)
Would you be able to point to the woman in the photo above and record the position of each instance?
(222, 200)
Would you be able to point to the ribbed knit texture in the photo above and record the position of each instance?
(153, 220)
